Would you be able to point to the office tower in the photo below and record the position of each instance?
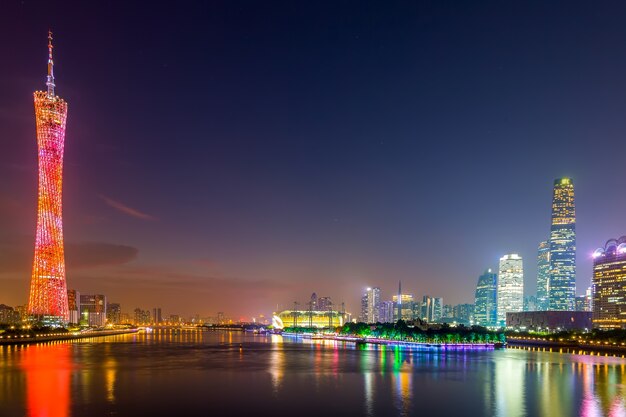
(402, 306)
(426, 308)
(324, 304)
(486, 300)
(156, 315)
(436, 310)
(313, 302)
(73, 302)
(93, 310)
(562, 280)
(114, 313)
(370, 305)
(464, 313)
(609, 285)
(543, 274)
(48, 290)
(387, 313)
(510, 287)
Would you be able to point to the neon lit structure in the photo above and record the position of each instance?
(48, 289)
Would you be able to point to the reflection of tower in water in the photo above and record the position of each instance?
(47, 370)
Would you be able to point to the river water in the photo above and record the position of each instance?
(196, 373)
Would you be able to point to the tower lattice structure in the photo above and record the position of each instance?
(48, 288)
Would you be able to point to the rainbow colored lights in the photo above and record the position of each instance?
(48, 290)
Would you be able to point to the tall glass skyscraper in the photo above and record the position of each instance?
(370, 305)
(510, 287)
(486, 300)
(543, 273)
(562, 279)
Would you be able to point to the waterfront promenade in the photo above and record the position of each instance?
(49, 337)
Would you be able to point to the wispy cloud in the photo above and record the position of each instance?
(127, 210)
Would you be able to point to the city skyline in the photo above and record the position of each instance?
(252, 185)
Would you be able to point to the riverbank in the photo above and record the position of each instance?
(584, 345)
(387, 342)
(28, 339)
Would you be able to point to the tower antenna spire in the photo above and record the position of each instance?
(50, 78)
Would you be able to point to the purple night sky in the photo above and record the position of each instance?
(237, 156)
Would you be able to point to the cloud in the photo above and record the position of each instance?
(94, 254)
(16, 254)
(127, 210)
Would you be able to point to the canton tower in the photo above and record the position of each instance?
(48, 290)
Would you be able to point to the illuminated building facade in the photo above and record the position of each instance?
(403, 309)
(114, 313)
(48, 291)
(562, 280)
(543, 274)
(370, 305)
(510, 287)
(549, 320)
(93, 311)
(73, 302)
(386, 311)
(486, 300)
(609, 285)
(309, 318)
(432, 309)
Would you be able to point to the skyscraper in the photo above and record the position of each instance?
(370, 305)
(48, 290)
(543, 273)
(486, 301)
(609, 285)
(562, 280)
(510, 287)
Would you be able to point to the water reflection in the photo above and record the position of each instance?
(47, 370)
(104, 377)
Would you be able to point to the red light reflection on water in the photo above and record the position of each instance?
(47, 370)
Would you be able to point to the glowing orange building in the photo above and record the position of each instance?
(48, 290)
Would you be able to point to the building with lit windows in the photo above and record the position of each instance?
(310, 318)
(114, 313)
(543, 274)
(486, 299)
(608, 285)
(562, 279)
(510, 287)
(386, 312)
(73, 302)
(432, 309)
(403, 310)
(370, 305)
(93, 310)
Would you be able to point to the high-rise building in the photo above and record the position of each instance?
(609, 285)
(486, 300)
(432, 309)
(48, 290)
(156, 315)
(114, 313)
(402, 307)
(543, 274)
(464, 313)
(73, 302)
(93, 309)
(370, 305)
(324, 304)
(510, 287)
(386, 312)
(562, 280)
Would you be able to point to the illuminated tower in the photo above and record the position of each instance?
(48, 292)
(562, 278)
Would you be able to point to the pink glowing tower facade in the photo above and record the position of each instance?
(48, 289)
